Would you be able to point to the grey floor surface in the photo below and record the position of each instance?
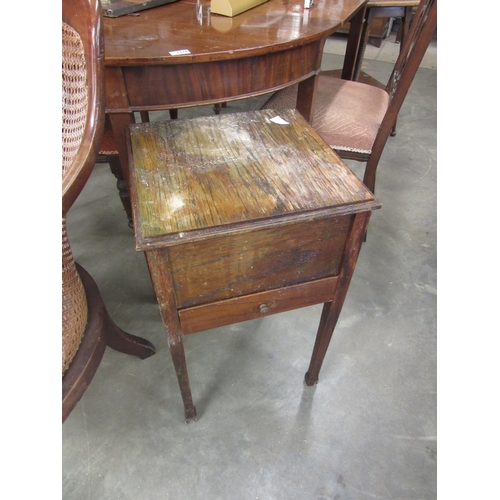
(366, 431)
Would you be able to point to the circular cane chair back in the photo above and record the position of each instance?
(82, 118)
(87, 327)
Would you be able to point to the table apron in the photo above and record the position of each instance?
(182, 85)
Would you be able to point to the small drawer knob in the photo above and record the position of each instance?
(263, 308)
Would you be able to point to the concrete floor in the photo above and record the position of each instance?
(367, 430)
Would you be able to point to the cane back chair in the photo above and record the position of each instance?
(87, 328)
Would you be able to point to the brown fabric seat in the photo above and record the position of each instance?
(347, 114)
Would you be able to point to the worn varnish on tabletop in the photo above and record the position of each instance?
(218, 171)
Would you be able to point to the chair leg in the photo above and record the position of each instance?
(354, 50)
(365, 35)
(114, 336)
(369, 177)
(399, 33)
(218, 107)
(124, 342)
(101, 331)
(393, 130)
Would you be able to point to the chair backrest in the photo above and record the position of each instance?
(82, 94)
(82, 128)
(416, 43)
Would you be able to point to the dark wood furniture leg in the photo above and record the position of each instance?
(124, 342)
(331, 310)
(306, 105)
(218, 107)
(116, 169)
(100, 332)
(160, 276)
(365, 34)
(352, 54)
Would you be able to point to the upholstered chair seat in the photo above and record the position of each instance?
(347, 114)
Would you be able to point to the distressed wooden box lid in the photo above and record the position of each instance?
(195, 177)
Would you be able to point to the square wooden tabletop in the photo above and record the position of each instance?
(215, 173)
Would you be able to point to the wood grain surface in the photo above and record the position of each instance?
(151, 36)
(222, 170)
(242, 263)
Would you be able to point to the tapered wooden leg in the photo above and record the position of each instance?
(327, 324)
(331, 310)
(176, 346)
(305, 97)
(354, 49)
(159, 270)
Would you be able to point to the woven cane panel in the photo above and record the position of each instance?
(74, 94)
(74, 304)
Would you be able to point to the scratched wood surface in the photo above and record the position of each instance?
(241, 263)
(222, 170)
(238, 264)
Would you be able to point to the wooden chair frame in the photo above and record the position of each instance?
(412, 52)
